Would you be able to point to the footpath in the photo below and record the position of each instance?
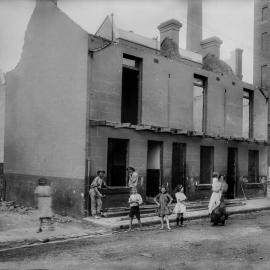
(196, 210)
(18, 225)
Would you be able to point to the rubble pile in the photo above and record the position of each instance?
(13, 207)
(62, 219)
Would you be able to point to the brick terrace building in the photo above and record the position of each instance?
(261, 68)
(78, 102)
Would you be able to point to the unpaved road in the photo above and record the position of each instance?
(244, 243)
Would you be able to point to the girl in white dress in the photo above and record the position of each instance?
(180, 207)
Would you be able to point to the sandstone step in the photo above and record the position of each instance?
(149, 210)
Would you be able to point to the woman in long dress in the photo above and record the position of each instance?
(43, 193)
(217, 209)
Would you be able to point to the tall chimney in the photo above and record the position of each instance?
(170, 29)
(194, 25)
(211, 46)
(238, 63)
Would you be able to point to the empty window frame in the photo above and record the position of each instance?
(264, 13)
(264, 77)
(206, 164)
(264, 39)
(247, 127)
(199, 103)
(131, 90)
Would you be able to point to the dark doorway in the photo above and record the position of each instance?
(154, 172)
(253, 166)
(178, 164)
(117, 162)
(130, 90)
(206, 164)
(232, 172)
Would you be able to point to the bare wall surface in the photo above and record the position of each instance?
(46, 98)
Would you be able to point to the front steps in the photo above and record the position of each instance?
(149, 210)
(117, 218)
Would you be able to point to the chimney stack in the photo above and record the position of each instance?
(238, 63)
(211, 46)
(194, 25)
(170, 29)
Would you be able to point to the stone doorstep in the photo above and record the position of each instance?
(116, 223)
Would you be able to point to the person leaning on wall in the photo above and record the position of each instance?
(132, 177)
(95, 193)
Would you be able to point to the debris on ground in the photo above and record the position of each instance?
(20, 209)
(148, 255)
(13, 207)
(62, 219)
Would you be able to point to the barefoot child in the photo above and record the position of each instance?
(180, 207)
(135, 200)
(164, 200)
(44, 199)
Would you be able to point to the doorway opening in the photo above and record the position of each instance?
(154, 165)
(130, 104)
(232, 165)
(206, 164)
(117, 162)
(253, 166)
(179, 165)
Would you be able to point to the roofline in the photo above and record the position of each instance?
(158, 50)
(102, 23)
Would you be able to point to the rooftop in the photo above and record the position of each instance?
(108, 28)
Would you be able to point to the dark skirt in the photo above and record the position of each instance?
(219, 214)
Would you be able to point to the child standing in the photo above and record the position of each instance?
(164, 200)
(180, 207)
(135, 200)
(43, 193)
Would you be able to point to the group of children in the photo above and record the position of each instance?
(163, 201)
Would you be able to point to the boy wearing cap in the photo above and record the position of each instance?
(95, 194)
(135, 200)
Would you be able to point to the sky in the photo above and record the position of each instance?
(230, 20)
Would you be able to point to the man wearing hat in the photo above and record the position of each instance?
(95, 194)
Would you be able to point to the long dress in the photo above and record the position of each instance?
(180, 207)
(217, 207)
(216, 195)
(44, 201)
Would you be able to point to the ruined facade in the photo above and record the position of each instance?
(261, 67)
(78, 102)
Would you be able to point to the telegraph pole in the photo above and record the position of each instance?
(2, 133)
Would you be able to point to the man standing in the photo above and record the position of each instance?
(95, 193)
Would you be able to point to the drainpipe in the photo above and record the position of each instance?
(2, 134)
(169, 100)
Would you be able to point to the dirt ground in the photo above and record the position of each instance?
(244, 243)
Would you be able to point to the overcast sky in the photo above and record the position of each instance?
(231, 20)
